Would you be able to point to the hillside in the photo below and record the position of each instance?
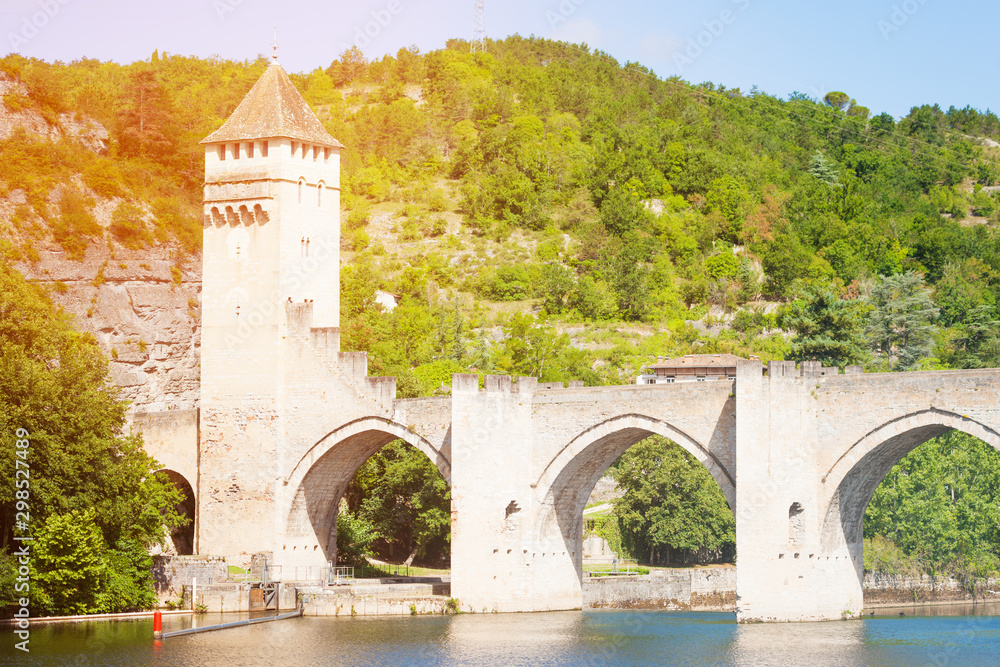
(541, 209)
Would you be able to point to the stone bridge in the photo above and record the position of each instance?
(286, 418)
(798, 453)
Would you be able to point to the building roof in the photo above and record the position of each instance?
(273, 108)
(698, 361)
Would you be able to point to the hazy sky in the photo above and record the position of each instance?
(888, 54)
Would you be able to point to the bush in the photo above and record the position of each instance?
(354, 538)
(359, 215)
(102, 176)
(436, 200)
(75, 225)
(438, 226)
(724, 265)
(357, 240)
(128, 228)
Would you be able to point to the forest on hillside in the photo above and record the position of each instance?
(545, 210)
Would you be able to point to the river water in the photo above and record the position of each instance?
(928, 636)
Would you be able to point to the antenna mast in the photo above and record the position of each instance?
(275, 56)
(479, 27)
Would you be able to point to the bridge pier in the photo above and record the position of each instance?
(784, 571)
(498, 562)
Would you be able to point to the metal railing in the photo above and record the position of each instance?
(603, 567)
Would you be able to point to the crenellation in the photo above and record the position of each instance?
(287, 419)
(354, 365)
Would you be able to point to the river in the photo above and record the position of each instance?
(927, 636)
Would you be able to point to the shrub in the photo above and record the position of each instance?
(438, 226)
(436, 200)
(359, 215)
(75, 225)
(128, 228)
(357, 240)
(102, 176)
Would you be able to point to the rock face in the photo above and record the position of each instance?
(143, 308)
(89, 132)
(145, 321)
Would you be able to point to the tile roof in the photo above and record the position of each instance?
(273, 108)
(698, 361)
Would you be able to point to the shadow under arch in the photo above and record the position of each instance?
(183, 537)
(569, 478)
(855, 476)
(321, 477)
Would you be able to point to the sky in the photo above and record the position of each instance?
(890, 55)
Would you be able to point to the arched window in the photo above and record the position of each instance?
(302, 184)
(319, 193)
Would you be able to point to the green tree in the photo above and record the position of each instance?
(900, 326)
(96, 484)
(531, 348)
(147, 126)
(827, 328)
(68, 565)
(938, 503)
(670, 503)
(399, 501)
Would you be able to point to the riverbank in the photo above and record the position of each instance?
(714, 589)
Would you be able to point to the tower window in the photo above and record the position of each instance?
(301, 185)
(315, 153)
(326, 154)
(236, 151)
(222, 152)
(250, 149)
(305, 151)
(319, 193)
(263, 148)
(295, 147)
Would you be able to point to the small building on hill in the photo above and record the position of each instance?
(690, 368)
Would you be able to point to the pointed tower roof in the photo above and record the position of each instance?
(273, 108)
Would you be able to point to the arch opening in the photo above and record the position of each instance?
(324, 486)
(577, 470)
(181, 539)
(857, 476)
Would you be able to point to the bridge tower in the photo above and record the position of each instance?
(271, 248)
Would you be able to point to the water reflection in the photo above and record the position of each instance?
(561, 638)
(834, 643)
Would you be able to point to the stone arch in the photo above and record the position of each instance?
(320, 478)
(569, 478)
(852, 480)
(183, 537)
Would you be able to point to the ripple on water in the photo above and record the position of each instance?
(558, 638)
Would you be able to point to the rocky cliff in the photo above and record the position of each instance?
(143, 306)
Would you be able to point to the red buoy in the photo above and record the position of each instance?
(157, 625)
